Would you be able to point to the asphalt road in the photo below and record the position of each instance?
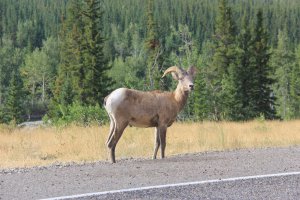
(282, 187)
(59, 180)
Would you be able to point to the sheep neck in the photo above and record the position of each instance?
(180, 97)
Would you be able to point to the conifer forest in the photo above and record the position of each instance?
(60, 58)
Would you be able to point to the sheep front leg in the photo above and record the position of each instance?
(162, 134)
(157, 142)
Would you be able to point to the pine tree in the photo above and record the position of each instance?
(12, 92)
(203, 97)
(201, 107)
(70, 67)
(282, 61)
(224, 38)
(154, 50)
(67, 94)
(223, 59)
(295, 86)
(1, 24)
(246, 75)
(14, 105)
(232, 96)
(83, 60)
(96, 81)
(262, 97)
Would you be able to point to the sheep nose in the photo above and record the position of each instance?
(192, 87)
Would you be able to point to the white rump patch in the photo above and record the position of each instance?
(115, 99)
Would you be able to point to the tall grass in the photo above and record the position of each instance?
(42, 146)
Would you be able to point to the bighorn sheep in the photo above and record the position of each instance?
(147, 109)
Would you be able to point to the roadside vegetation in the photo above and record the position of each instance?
(60, 59)
(28, 147)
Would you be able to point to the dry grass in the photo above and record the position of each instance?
(42, 146)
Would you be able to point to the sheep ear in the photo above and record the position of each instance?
(192, 71)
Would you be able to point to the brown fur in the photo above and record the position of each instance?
(148, 109)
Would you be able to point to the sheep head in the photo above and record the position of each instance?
(185, 78)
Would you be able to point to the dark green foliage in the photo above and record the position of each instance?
(295, 86)
(76, 113)
(1, 24)
(244, 66)
(96, 82)
(201, 104)
(283, 61)
(71, 69)
(83, 70)
(13, 109)
(84, 65)
(70, 51)
(224, 38)
(13, 97)
(6, 66)
(27, 23)
(224, 64)
(66, 94)
(262, 97)
(154, 50)
(232, 95)
(204, 94)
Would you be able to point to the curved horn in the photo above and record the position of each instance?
(172, 69)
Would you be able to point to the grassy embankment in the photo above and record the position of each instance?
(43, 146)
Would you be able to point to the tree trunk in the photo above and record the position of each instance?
(43, 90)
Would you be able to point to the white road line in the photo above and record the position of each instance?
(174, 185)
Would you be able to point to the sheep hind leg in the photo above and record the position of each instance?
(114, 140)
(111, 131)
(157, 142)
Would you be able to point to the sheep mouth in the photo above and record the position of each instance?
(188, 90)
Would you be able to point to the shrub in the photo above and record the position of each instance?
(77, 114)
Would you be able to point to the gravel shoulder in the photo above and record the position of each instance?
(71, 179)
